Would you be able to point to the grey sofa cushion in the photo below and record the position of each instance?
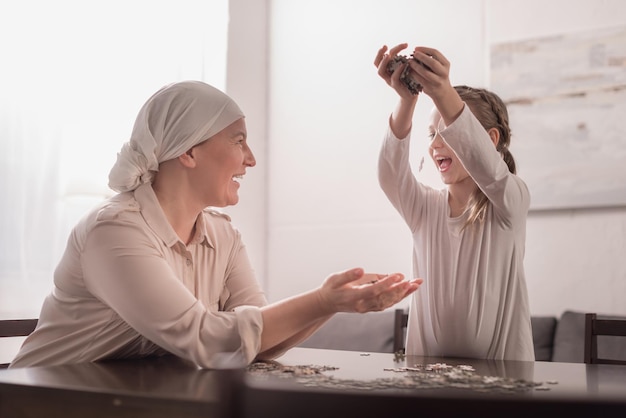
(544, 328)
(559, 340)
(569, 338)
(368, 332)
(373, 332)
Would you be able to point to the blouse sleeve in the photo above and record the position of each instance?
(241, 286)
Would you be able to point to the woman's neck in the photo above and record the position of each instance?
(179, 208)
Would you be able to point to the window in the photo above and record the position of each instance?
(73, 78)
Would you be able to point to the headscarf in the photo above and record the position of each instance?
(172, 121)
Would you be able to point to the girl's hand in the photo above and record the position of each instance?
(435, 81)
(435, 71)
(382, 62)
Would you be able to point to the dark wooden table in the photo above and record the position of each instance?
(170, 387)
(375, 385)
(155, 387)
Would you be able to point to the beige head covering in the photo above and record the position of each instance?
(177, 117)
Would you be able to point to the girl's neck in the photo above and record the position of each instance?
(459, 194)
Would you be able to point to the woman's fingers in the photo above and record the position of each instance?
(338, 280)
(356, 291)
(386, 292)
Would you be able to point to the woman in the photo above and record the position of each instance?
(153, 271)
(469, 237)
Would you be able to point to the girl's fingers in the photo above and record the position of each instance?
(430, 55)
(380, 55)
(394, 51)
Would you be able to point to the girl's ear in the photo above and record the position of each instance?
(494, 134)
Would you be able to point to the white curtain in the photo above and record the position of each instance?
(73, 77)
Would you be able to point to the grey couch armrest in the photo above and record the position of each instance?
(569, 338)
(544, 328)
(368, 332)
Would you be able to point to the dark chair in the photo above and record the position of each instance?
(16, 328)
(595, 327)
(400, 322)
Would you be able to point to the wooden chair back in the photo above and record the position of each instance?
(16, 328)
(400, 322)
(595, 327)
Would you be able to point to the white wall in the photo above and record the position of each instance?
(576, 258)
(246, 83)
(326, 113)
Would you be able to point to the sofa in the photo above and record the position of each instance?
(559, 339)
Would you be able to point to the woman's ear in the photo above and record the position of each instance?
(494, 134)
(187, 159)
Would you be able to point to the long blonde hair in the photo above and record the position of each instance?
(491, 112)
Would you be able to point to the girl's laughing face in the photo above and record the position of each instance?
(450, 168)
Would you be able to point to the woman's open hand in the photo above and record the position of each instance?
(355, 291)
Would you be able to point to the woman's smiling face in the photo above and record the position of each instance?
(222, 161)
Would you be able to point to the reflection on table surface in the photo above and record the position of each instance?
(550, 379)
(169, 386)
(174, 377)
(166, 376)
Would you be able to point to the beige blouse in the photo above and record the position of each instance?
(127, 287)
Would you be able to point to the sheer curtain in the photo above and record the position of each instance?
(73, 77)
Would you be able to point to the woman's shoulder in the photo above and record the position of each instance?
(219, 224)
(112, 207)
(218, 228)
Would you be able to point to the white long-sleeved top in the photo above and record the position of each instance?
(128, 287)
(474, 301)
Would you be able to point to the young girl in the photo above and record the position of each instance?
(469, 237)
